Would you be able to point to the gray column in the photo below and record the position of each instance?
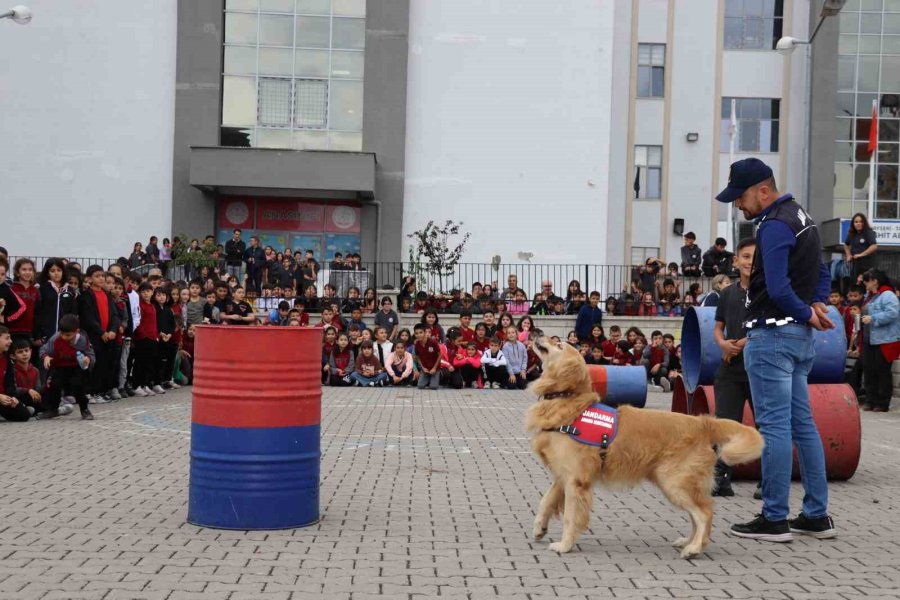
(821, 127)
(198, 112)
(384, 122)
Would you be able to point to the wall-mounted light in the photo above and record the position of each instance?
(692, 137)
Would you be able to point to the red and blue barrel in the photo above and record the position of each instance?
(835, 411)
(701, 355)
(620, 385)
(255, 427)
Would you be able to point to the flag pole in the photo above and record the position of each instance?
(873, 152)
(732, 134)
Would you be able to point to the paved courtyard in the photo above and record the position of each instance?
(423, 495)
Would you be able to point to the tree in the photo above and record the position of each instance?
(435, 244)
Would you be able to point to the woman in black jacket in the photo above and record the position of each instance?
(56, 299)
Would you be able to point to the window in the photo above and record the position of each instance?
(293, 73)
(651, 70)
(648, 172)
(753, 24)
(757, 124)
(640, 254)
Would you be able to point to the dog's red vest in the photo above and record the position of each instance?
(597, 426)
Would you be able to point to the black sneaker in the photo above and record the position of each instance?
(723, 488)
(86, 415)
(764, 530)
(47, 414)
(821, 528)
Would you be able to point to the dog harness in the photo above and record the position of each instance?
(596, 426)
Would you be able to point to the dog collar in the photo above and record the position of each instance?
(554, 395)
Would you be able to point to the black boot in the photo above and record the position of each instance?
(723, 480)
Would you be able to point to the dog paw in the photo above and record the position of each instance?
(539, 533)
(560, 548)
(680, 543)
(691, 551)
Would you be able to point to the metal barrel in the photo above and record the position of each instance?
(620, 385)
(835, 411)
(255, 420)
(831, 352)
(700, 355)
(681, 400)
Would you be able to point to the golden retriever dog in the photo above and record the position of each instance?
(672, 451)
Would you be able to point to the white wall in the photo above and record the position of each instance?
(694, 109)
(508, 110)
(87, 97)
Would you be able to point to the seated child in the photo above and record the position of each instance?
(534, 369)
(341, 363)
(368, 371)
(494, 365)
(400, 366)
(468, 364)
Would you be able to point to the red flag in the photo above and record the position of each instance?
(873, 131)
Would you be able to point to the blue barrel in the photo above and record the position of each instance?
(700, 355)
(620, 385)
(255, 422)
(831, 352)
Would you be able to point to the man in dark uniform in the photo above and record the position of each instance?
(731, 383)
(789, 285)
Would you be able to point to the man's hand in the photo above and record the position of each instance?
(819, 317)
(47, 361)
(35, 396)
(8, 401)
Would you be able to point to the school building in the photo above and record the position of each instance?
(578, 131)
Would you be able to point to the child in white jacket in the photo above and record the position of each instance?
(494, 365)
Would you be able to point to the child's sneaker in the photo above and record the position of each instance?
(665, 384)
(148, 391)
(174, 385)
(141, 392)
(98, 399)
(157, 389)
(86, 415)
(70, 400)
(66, 409)
(114, 395)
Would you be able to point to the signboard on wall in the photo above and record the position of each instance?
(290, 216)
(886, 230)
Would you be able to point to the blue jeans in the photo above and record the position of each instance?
(363, 380)
(778, 360)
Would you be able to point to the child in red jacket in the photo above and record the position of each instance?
(468, 363)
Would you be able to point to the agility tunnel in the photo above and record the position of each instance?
(835, 411)
(255, 421)
(620, 385)
(701, 355)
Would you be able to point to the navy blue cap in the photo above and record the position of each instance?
(744, 174)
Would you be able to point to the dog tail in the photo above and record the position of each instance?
(737, 443)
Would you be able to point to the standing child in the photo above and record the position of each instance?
(146, 339)
(98, 317)
(123, 315)
(368, 370)
(67, 356)
(387, 318)
(589, 315)
(516, 360)
(467, 363)
(166, 348)
(494, 364)
(329, 336)
(194, 308)
(24, 287)
(465, 330)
